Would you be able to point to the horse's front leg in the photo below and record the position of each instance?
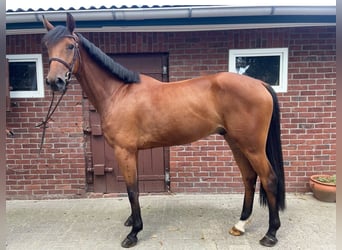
(134, 219)
(128, 165)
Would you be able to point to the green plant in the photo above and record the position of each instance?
(329, 179)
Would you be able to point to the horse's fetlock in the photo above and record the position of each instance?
(138, 226)
(276, 224)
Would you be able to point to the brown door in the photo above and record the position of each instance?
(103, 173)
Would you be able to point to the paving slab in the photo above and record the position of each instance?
(171, 222)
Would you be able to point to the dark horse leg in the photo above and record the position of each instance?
(128, 165)
(249, 177)
(250, 168)
(270, 169)
(269, 182)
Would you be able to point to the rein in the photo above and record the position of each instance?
(48, 117)
(68, 75)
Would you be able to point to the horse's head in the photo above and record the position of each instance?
(62, 45)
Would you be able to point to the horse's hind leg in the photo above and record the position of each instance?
(268, 181)
(249, 179)
(253, 164)
(128, 165)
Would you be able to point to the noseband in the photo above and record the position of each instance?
(69, 66)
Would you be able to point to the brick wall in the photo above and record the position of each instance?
(308, 108)
(59, 170)
(308, 112)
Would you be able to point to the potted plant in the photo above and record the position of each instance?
(324, 187)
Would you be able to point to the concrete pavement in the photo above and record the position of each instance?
(181, 221)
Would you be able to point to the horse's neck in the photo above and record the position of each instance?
(97, 84)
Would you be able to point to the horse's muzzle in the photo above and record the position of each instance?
(58, 84)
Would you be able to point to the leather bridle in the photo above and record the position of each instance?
(69, 66)
(72, 70)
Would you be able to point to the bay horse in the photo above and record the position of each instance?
(139, 112)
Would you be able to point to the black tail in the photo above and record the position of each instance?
(275, 154)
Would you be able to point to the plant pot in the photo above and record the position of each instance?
(321, 190)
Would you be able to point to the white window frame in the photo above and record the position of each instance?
(283, 69)
(37, 58)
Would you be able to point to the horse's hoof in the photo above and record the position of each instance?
(129, 222)
(129, 242)
(235, 232)
(268, 241)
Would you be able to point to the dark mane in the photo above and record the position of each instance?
(108, 63)
(114, 68)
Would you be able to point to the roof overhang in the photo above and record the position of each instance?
(184, 18)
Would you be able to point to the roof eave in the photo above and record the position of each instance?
(182, 18)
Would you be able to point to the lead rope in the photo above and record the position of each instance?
(48, 117)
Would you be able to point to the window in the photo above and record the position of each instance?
(26, 75)
(268, 65)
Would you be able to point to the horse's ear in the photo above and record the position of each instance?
(70, 23)
(47, 24)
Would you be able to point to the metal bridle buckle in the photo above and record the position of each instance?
(68, 76)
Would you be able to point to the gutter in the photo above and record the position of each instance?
(167, 13)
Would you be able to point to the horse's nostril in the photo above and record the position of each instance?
(59, 80)
(56, 84)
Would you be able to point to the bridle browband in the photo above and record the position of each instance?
(68, 75)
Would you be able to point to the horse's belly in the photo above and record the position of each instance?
(176, 134)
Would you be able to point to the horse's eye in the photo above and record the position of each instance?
(71, 46)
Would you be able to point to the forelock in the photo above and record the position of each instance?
(54, 35)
